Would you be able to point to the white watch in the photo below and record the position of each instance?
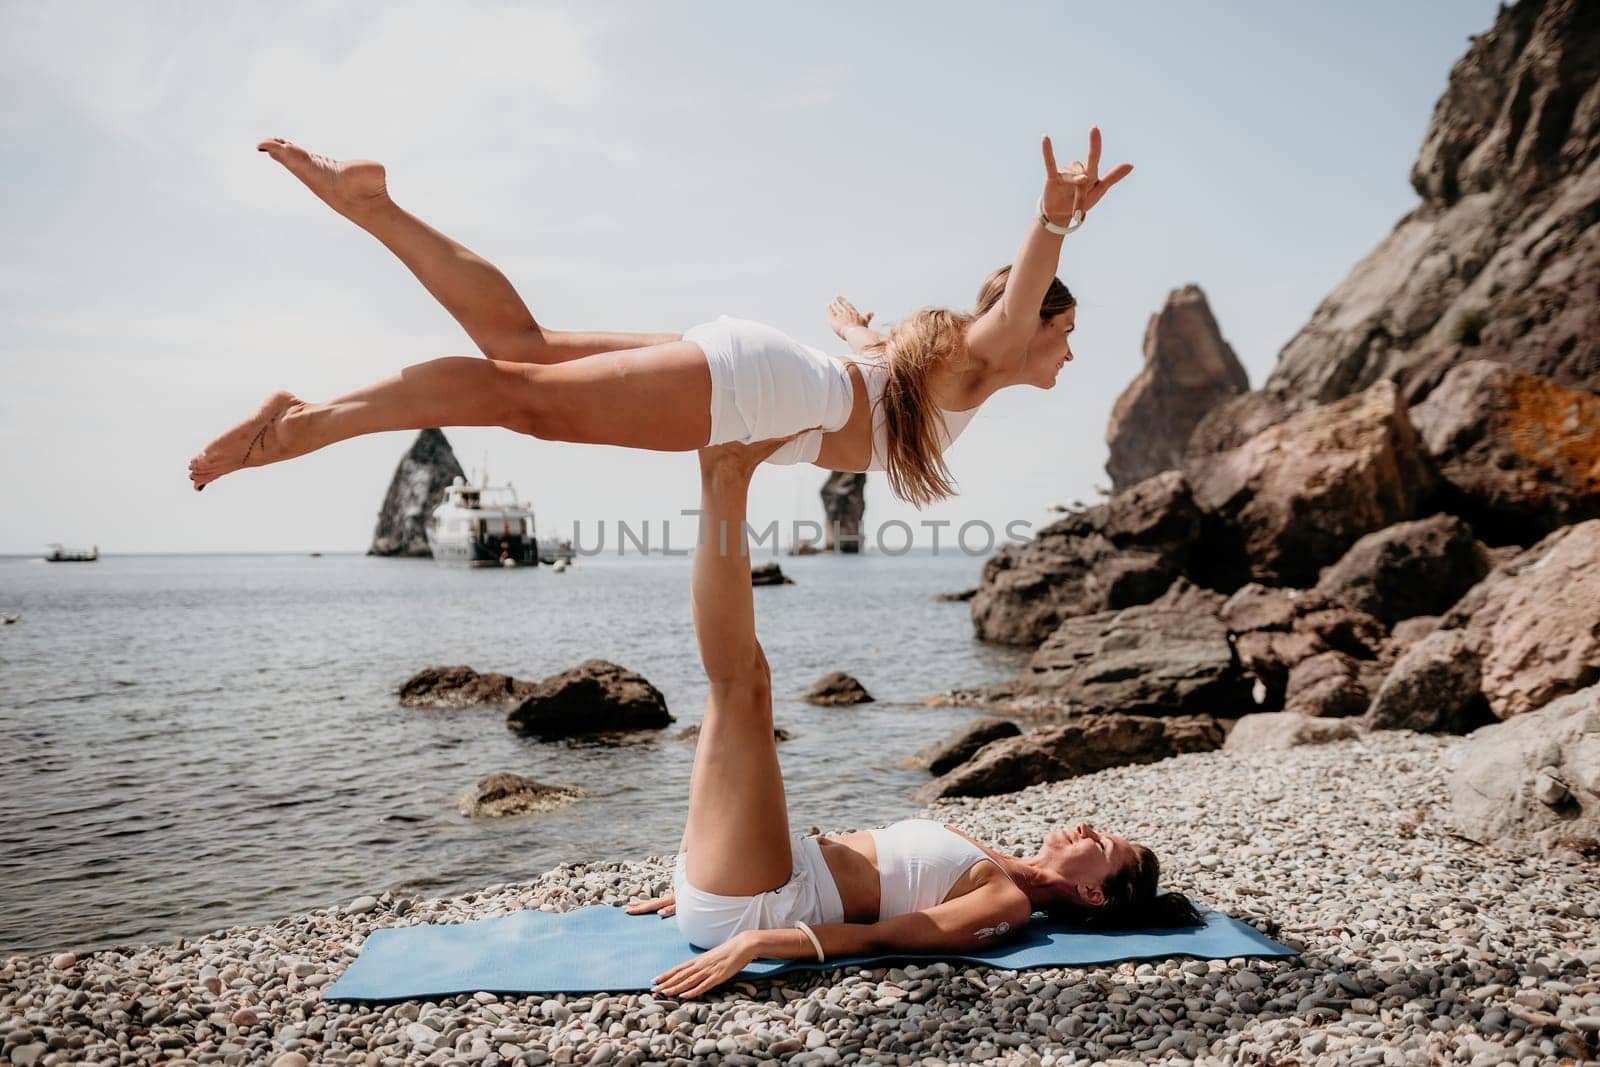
(1075, 224)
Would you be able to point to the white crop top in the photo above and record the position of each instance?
(807, 446)
(919, 860)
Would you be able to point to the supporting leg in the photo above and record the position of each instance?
(656, 398)
(737, 831)
(470, 288)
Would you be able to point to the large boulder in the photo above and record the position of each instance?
(1435, 685)
(1501, 259)
(1188, 370)
(1410, 568)
(1537, 624)
(597, 696)
(1233, 422)
(844, 503)
(1329, 685)
(1295, 497)
(1532, 783)
(836, 689)
(950, 752)
(1275, 731)
(1124, 552)
(1285, 641)
(1525, 635)
(461, 687)
(502, 794)
(1146, 660)
(1082, 746)
(415, 490)
(1520, 455)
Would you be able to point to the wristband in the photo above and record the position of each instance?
(1075, 224)
(816, 944)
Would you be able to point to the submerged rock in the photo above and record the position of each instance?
(596, 696)
(836, 690)
(460, 687)
(502, 794)
(1188, 370)
(415, 490)
(1533, 782)
(692, 733)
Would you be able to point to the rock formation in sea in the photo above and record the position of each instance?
(844, 502)
(597, 696)
(836, 689)
(415, 490)
(1188, 370)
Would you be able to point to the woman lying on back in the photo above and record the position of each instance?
(745, 886)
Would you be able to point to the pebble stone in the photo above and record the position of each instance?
(1417, 948)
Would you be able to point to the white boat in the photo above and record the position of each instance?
(57, 554)
(483, 526)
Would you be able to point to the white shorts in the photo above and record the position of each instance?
(810, 895)
(765, 384)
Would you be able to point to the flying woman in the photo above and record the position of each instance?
(895, 409)
(744, 886)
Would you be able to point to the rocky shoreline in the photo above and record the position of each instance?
(1418, 947)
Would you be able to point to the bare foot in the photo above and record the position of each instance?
(256, 441)
(351, 187)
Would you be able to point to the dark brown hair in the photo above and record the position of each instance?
(1133, 901)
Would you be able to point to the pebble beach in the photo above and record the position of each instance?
(1417, 947)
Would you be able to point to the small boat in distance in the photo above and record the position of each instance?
(482, 526)
(57, 554)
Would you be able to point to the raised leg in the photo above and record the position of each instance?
(737, 832)
(471, 289)
(656, 398)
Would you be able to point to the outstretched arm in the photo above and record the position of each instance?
(1006, 327)
(991, 914)
(852, 326)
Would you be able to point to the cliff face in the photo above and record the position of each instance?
(1501, 260)
(1188, 370)
(417, 488)
(844, 502)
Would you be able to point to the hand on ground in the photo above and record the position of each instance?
(663, 906)
(706, 971)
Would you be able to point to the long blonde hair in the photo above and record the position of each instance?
(913, 423)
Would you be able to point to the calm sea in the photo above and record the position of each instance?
(192, 742)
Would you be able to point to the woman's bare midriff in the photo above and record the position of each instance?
(853, 861)
(849, 448)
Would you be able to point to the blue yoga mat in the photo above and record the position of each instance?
(601, 948)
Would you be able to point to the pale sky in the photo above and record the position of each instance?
(643, 167)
